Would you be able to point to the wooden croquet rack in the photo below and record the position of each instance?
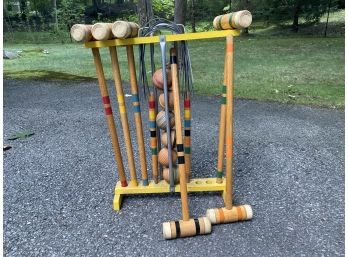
(194, 184)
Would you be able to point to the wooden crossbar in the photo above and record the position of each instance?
(156, 39)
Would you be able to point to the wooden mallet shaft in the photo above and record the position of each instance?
(179, 141)
(221, 144)
(109, 117)
(137, 114)
(229, 122)
(123, 114)
(153, 136)
(187, 132)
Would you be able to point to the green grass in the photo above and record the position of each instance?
(289, 70)
(272, 63)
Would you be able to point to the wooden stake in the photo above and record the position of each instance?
(137, 113)
(123, 114)
(153, 137)
(229, 123)
(187, 142)
(179, 141)
(108, 113)
(221, 144)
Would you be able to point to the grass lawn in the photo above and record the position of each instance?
(303, 70)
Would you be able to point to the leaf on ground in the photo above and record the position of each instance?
(21, 135)
(7, 147)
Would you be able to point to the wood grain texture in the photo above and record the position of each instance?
(179, 138)
(110, 119)
(123, 113)
(137, 112)
(229, 123)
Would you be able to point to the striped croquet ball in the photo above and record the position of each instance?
(163, 157)
(166, 175)
(170, 100)
(164, 139)
(157, 78)
(161, 120)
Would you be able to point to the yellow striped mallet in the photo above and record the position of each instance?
(229, 213)
(137, 114)
(123, 114)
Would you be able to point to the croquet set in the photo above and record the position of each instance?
(168, 95)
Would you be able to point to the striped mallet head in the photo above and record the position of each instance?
(191, 227)
(223, 215)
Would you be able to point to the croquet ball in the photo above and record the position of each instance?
(161, 120)
(170, 100)
(166, 175)
(163, 157)
(157, 78)
(164, 139)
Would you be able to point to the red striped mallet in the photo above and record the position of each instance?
(109, 117)
(186, 226)
(229, 213)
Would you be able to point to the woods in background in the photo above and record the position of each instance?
(43, 15)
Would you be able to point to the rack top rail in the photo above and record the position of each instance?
(156, 39)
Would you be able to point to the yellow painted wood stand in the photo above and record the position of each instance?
(195, 184)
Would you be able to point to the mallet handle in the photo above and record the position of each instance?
(137, 113)
(123, 113)
(187, 139)
(229, 122)
(178, 131)
(109, 117)
(222, 128)
(153, 136)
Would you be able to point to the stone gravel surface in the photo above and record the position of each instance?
(58, 183)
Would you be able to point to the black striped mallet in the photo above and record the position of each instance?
(186, 226)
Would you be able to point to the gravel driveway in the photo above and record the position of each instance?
(58, 183)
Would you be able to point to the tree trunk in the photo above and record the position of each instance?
(327, 19)
(55, 14)
(297, 10)
(145, 12)
(180, 11)
(193, 14)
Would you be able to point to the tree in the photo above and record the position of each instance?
(180, 11)
(145, 12)
(310, 10)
